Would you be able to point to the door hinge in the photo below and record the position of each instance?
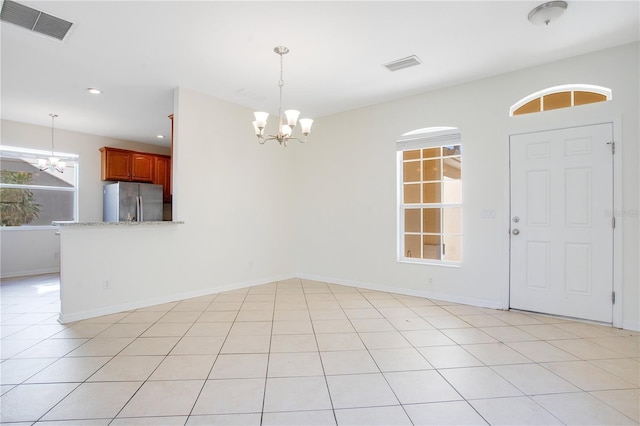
(613, 147)
(613, 222)
(613, 297)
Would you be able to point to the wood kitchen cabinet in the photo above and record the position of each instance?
(162, 175)
(142, 167)
(132, 166)
(123, 165)
(116, 164)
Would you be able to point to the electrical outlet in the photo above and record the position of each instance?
(106, 285)
(430, 280)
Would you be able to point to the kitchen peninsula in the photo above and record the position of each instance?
(129, 264)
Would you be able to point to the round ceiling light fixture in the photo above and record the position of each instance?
(547, 12)
(94, 91)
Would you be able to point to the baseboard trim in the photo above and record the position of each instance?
(123, 307)
(29, 272)
(484, 303)
(631, 325)
(445, 297)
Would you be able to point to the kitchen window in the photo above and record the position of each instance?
(430, 196)
(30, 197)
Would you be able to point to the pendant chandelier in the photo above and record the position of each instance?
(52, 163)
(286, 123)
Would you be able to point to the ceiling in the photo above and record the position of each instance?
(137, 52)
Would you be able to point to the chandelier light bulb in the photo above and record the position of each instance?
(257, 129)
(261, 119)
(292, 117)
(305, 124)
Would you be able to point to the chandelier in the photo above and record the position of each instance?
(52, 163)
(287, 122)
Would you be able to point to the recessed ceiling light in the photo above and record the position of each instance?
(94, 91)
(160, 136)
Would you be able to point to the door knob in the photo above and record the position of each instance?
(516, 219)
(515, 231)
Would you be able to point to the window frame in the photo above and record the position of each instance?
(433, 137)
(600, 90)
(34, 154)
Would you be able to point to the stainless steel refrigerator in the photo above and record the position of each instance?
(132, 202)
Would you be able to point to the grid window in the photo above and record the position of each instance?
(33, 197)
(430, 200)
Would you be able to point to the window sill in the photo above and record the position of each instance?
(431, 263)
(112, 224)
(29, 228)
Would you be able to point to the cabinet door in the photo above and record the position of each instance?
(142, 167)
(162, 176)
(116, 165)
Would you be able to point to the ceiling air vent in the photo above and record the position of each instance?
(403, 63)
(34, 20)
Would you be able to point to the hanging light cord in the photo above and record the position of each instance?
(280, 85)
(53, 117)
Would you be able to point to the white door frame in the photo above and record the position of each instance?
(617, 201)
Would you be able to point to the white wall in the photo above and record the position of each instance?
(234, 197)
(233, 194)
(346, 192)
(29, 252)
(327, 209)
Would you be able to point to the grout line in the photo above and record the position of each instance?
(386, 379)
(334, 291)
(324, 373)
(204, 382)
(266, 373)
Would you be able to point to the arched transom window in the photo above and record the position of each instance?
(556, 97)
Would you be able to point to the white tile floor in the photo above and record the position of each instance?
(298, 352)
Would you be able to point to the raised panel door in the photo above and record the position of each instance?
(142, 167)
(561, 236)
(116, 165)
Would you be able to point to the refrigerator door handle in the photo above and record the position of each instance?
(137, 208)
(141, 217)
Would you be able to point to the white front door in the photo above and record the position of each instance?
(561, 222)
